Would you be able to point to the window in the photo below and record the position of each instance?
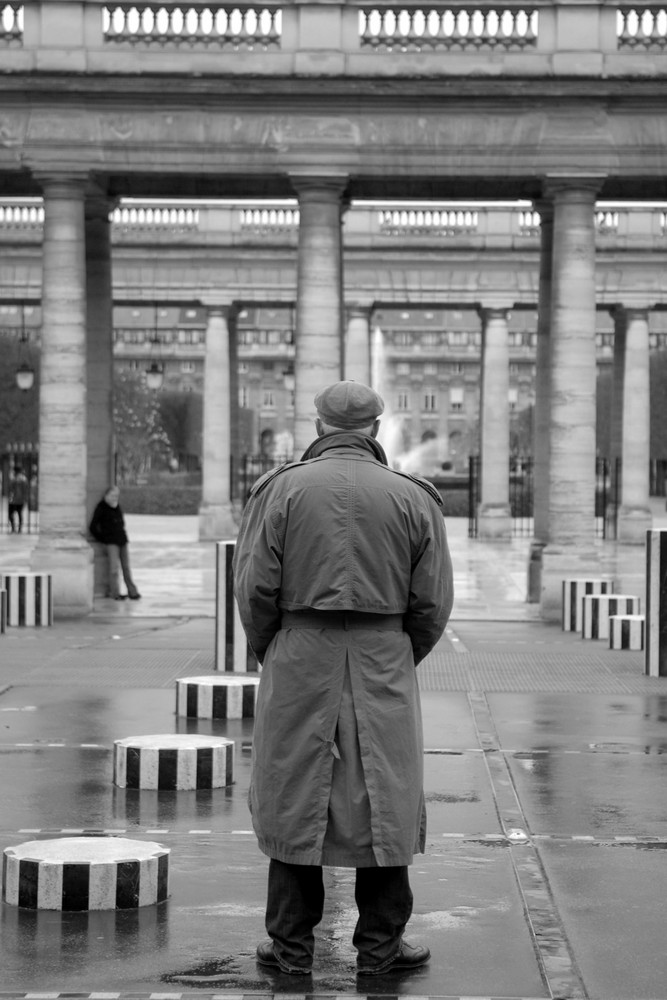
(430, 402)
(513, 397)
(456, 398)
(268, 399)
(430, 339)
(403, 339)
(403, 368)
(458, 338)
(188, 367)
(244, 397)
(243, 368)
(430, 369)
(403, 401)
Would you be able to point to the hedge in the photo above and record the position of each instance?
(160, 499)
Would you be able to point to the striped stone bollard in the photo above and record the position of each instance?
(29, 598)
(216, 697)
(573, 592)
(85, 873)
(173, 763)
(598, 608)
(3, 611)
(626, 631)
(232, 652)
(655, 658)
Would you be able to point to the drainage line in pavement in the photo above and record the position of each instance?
(554, 957)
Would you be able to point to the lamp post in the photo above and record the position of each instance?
(25, 373)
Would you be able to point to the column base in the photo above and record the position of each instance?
(70, 564)
(560, 563)
(217, 521)
(633, 523)
(494, 523)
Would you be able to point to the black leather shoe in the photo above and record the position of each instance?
(410, 956)
(267, 956)
(135, 597)
(120, 597)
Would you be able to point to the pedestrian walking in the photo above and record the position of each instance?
(344, 583)
(108, 527)
(17, 498)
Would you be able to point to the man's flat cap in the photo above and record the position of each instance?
(348, 405)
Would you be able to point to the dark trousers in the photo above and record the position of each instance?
(296, 900)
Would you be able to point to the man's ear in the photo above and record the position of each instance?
(375, 428)
(318, 427)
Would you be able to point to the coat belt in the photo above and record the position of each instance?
(341, 620)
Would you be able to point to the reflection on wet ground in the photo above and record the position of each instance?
(544, 768)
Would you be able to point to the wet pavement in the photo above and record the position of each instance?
(545, 778)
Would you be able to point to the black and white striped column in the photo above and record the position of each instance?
(598, 608)
(29, 598)
(232, 652)
(173, 762)
(573, 592)
(3, 611)
(656, 603)
(85, 873)
(626, 631)
(216, 697)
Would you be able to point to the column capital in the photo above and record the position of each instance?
(497, 309)
(62, 183)
(583, 187)
(362, 309)
(218, 308)
(99, 204)
(313, 186)
(545, 209)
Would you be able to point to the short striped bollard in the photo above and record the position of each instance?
(85, 873)
(598, 608)
(29, 598)
(573, 593)
(173, 762)
(216, 697)
(626, 631)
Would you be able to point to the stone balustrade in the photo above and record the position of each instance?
(460, 220)
(320, 37)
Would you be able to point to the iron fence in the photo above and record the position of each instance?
(521, 497)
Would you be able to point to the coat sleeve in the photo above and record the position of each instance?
(257, 567)
(431, 588)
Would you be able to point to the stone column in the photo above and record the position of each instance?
(358, 344)
(543, 376)
(615, 417)
(63, 549)
(495, 521)
(216, 519)
(634, 516)
(571, 550)
(99, 308)
(319, 307)
(542, 412)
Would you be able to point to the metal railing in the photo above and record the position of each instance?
(19, 490)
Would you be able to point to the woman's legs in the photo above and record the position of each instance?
(124, 553)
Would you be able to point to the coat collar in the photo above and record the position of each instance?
(345, 439)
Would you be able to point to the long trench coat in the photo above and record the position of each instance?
(337, 775)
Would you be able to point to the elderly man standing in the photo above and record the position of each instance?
(344, 582)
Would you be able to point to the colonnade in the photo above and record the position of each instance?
(75, 398)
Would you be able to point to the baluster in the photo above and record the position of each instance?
(276, 26)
